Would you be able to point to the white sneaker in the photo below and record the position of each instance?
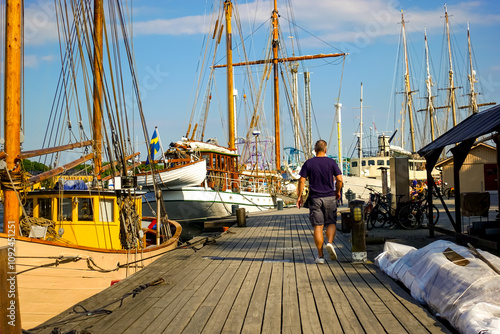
(319, 260)
(331, 251)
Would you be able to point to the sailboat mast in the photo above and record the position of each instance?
(12, 122)
(277, 144)
(228, 9)
(338, 108)
(294, 68)
(429, 83)
(98, 56)
(360, 146)
(307, 102)
(452, 101)
(472, 77)
(408, 91)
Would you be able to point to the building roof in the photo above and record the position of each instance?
(450, 159)
(473, 126)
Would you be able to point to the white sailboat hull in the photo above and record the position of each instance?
(190, 174)
(192, 203)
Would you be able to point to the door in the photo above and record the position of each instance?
(490, 177)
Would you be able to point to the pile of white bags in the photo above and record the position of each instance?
(467, 296)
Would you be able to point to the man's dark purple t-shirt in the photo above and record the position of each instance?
(321, 172)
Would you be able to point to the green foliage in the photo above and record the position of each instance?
(33, 166)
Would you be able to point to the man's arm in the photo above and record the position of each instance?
(300, 190)
(338, 185)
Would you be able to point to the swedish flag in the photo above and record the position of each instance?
(154, 146)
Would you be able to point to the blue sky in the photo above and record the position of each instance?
(168, 37)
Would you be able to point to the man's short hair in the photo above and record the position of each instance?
(320, 146)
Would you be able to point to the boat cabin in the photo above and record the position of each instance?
(79, 217)
(222, 172)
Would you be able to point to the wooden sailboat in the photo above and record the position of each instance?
(229, 182)
(70, 244)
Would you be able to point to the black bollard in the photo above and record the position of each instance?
(241, 217)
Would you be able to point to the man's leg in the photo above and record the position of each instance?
(331, 230)
(318, 239)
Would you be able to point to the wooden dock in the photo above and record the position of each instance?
(259, 278)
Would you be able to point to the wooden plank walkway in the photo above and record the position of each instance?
(261, 278)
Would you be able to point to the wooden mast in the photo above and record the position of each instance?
(97, 121)
(472, 77)
(452, 100)
(473, 105)
(429, 83)
(228, 8)
(408, 91)
(12, 121)
(277, 144)
(275, 60)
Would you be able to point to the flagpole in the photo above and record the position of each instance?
(159, 141)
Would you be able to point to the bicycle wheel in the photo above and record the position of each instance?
(368, 215)
(410, 217)
(434, 213)
(371, 218)
(381, 218)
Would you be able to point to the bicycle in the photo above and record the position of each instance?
(382, 213)
(449, 192)
(411, 216)
(424, 205)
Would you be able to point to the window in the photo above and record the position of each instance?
(106, 212)
(354, 164)
(64, 212)
(29, 207)
(380, 162)
(363, 163)
(222, 163)
(45, 208)
(388, 162)
(85, 209)
(371, 162)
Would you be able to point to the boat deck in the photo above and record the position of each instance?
(261, 278)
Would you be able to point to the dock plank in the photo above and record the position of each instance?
(413, 317)
(325, 306)
(257, 279)
(237, 315)
(290, 312)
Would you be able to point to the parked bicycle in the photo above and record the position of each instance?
(382, 213)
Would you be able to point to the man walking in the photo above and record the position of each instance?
(325, 183)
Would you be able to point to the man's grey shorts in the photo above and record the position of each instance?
(323, 210)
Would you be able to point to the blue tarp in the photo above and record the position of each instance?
(72, 185)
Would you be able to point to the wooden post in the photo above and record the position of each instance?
(12, 104)
(10, 321)
(358, 249)
(277, 143)
(98, 68)
(497, 142)
(228, 9)
(460, 153)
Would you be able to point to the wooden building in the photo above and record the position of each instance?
(478, 172)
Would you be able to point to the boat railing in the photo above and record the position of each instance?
(240, 182)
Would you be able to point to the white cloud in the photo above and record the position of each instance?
(40, 25)
(48, 58)
(335, 21)
(31, 61)
(34, 61)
